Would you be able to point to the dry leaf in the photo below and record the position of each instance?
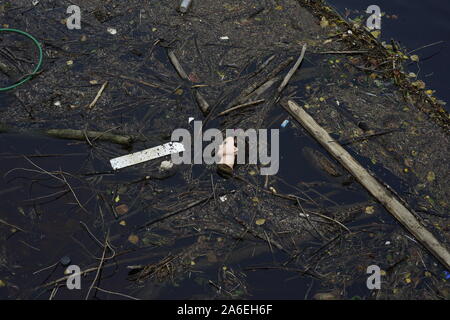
(370, 210)
(324, 22)
(134, 239)
(431, 176)
(122, 209)
(260, 222)
(376, 33)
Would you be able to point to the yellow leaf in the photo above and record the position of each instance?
(117, 199)
(370, 210)
(414, 57)
(324, 22)
(123, 223)
(279, 8)
(134, 239)
(2, 284)
(179, 92)
(122, 209)
(376, 33)
(408, 280)
(431, 176)
(419, 84)
(260, 222)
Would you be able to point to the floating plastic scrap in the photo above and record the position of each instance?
(285, 123)
(184, 6)
(147, 155)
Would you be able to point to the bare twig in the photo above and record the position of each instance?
(248, 104)
(292, 71)
(99, 94)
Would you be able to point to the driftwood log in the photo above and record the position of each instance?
(380, 192)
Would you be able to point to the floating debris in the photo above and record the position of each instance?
(65, 261)
(146, 155)
(112, 31)
(166, 165)
(184, 6)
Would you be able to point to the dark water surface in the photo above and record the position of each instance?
(50, 216)
(417, 24)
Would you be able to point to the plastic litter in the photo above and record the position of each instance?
(227, 151)
(65, 261)
(447, 275)
(166, 165)
(184, 6)
(146, 155)
(112, 31)
(285, 123)
(40, 58)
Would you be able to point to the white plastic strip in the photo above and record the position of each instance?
(146, 155)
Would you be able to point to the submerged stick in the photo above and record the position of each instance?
(248, 104)
(381, 193)
(72, 134)
(292, 71)
(177, 65)
(244, 96)
(202, 103)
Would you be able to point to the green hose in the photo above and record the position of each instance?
(38, 45)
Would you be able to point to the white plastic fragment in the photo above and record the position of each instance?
(146, 155)
(166, 165)
(224, 38)
(112, 31)
(184, 6)
(35, 2)
(223, 198)
(285, 123)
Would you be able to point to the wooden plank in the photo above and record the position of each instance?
(380, 192)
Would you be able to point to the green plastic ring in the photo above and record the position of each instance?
(38, 45)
